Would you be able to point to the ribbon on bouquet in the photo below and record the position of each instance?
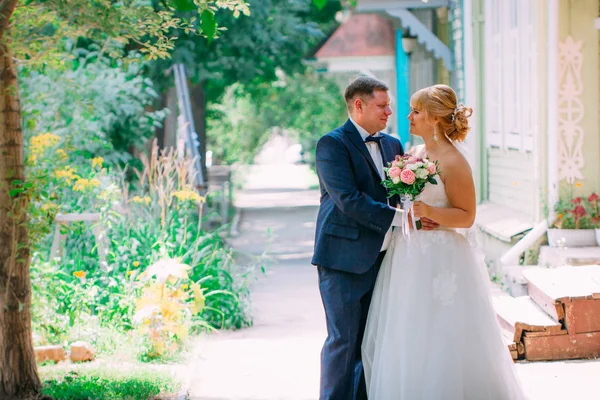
(407, 206)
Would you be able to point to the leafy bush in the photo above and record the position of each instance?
(103, 384)
(99, 108)
(140, 226)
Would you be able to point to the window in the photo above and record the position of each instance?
(510, 66)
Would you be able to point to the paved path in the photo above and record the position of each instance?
(278, 358)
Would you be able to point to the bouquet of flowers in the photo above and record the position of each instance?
(407, 177)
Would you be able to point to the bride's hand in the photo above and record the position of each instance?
(421, 209)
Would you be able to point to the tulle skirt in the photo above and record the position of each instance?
(431, 332)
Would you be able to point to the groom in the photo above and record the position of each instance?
(353, 230)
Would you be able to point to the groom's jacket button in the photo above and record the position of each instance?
(376, 227)
(344, 231)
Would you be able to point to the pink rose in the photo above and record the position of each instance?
(395, 163)
(413, 160)
(431, 168)
(407, 176)
(394, 171)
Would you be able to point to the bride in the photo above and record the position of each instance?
(431, 331)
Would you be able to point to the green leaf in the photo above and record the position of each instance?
(14, 192)
(319, 3)
(432, 181)
(185, 5)
(209, 24)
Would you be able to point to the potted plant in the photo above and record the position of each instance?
(576, 222)
(593, 201)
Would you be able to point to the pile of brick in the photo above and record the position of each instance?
(559, 319)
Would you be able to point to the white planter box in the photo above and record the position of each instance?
(572, 237)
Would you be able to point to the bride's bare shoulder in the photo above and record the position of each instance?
(455, 161)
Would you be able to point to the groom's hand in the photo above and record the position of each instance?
(428, 225)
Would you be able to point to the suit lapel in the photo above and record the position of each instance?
(388, 152)
(358, 142)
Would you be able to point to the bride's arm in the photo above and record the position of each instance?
(460, 189)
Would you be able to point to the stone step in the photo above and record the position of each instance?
(570, 295)
(520, 314)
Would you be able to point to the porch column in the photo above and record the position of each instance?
(552, 106)
(402, 90)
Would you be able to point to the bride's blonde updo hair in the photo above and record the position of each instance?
(441, 101)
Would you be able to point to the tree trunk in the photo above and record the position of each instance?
(18, 371)
(167, 133)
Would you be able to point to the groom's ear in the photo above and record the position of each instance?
(358, 104)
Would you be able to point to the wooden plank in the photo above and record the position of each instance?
(582, 315)
(92, 217)
(562, 347)
(514, 160)
(521, 314)
(553, 332)
(545, 302)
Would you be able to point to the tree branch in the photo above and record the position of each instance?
(7, 8)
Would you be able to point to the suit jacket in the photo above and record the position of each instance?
(354, 215)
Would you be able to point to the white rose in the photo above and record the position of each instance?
(396, 179)
(421, 173)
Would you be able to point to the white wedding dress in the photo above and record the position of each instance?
(431, 332)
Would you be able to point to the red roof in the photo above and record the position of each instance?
(361, 35)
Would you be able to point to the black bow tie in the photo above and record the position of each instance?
(375, 139)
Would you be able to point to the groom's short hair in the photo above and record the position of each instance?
(363, 86)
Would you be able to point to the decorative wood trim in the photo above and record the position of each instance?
(570, 111)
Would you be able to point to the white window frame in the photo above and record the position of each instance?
(510, 65)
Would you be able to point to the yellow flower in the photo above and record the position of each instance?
(185, 286)
(199, 299)
(188, 195)
(40, 142)
(84, 184)
(129, 273)
(48, 207)
(68, 174)
(80, 274)
(136, 263)
(145, 200)
(97, 162)
(578, 184)
(560, 216)
(62, 154)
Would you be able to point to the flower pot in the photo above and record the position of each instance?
(572, 237)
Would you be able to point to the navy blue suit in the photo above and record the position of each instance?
(352, 221)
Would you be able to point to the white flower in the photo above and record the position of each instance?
(415, 166)
(165, 269)
(422, 173)
(396, 179)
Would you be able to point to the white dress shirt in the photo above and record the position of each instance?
(377, 157)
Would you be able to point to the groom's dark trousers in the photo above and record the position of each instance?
(352, 221)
